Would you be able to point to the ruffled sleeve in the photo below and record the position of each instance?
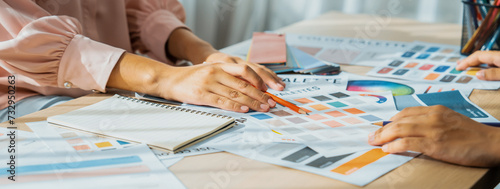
(150, 24)
(51, 51)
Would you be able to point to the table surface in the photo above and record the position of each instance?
(213, 170)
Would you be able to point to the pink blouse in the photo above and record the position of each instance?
(69, 47)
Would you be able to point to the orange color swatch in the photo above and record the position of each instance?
(432, 76)
(359, 162)
(319, 107)
(316, 117)
(303, 100)
(352, 120)
(354, 111)
(81, 147)
(335, 114)
(411, 65)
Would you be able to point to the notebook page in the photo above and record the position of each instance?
(141, 121)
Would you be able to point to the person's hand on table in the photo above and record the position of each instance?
(440, 133)
(218, 85)
(492, 58)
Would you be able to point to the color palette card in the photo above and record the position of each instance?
(268, 48)
(451, 99)
(432, 72)
(84, 143)
(431, 52)
(52, 160)
(359, 168)
(342, 50)
(333, 113)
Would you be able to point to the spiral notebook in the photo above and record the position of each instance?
(160, 126)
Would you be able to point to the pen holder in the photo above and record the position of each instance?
(480, 27)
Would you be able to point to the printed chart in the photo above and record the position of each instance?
(432, 72)
(331, 126)
(359, 168)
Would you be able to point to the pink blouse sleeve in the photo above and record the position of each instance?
(50, 50)
(151, 22)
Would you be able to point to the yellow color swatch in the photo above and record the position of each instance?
(103, 144)
(359, 162)
(472, 71)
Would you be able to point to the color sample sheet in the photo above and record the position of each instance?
(400, 87)
(432, 72)
(333, 113)
(451, 99)
(359, 168)
(51, 158)
(343, 50)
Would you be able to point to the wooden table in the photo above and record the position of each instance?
(224, 170)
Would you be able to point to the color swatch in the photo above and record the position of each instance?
(379, 86)
(360, 161)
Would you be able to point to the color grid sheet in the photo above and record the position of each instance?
(338, 120)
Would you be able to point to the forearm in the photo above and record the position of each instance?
(183, 44)
(136, 73)
(493, 139)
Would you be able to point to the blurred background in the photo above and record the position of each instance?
(226, 22)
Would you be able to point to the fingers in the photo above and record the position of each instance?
(222, 102)
(407, 127)
(417, 144)
(242, 92)
(245, 72)
(269, 77)
(492, 74)
(479, 57)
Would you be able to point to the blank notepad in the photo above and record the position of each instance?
(161, 126)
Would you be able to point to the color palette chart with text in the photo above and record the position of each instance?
(359, 168)
(331, 127)
(53, 158)
(432, 72)
(342, 50)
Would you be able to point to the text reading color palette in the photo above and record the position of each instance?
(432, 73)
(331, 109)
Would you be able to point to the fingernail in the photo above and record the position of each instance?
(264, 86)
(279, 86)
(271, 102)
(480, 75)
(244, 108)
(384, 148)
(371, 137)
(264, 106)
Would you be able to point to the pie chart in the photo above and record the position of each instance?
(397, 89)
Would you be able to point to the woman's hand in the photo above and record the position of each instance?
(216, 84)
(440, 133)
(268, 76)
(492, 58)
(183, 44)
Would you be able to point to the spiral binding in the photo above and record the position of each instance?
(175, 108)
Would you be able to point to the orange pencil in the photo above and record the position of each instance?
(287, 104)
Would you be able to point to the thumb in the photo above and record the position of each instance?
(492, 74)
